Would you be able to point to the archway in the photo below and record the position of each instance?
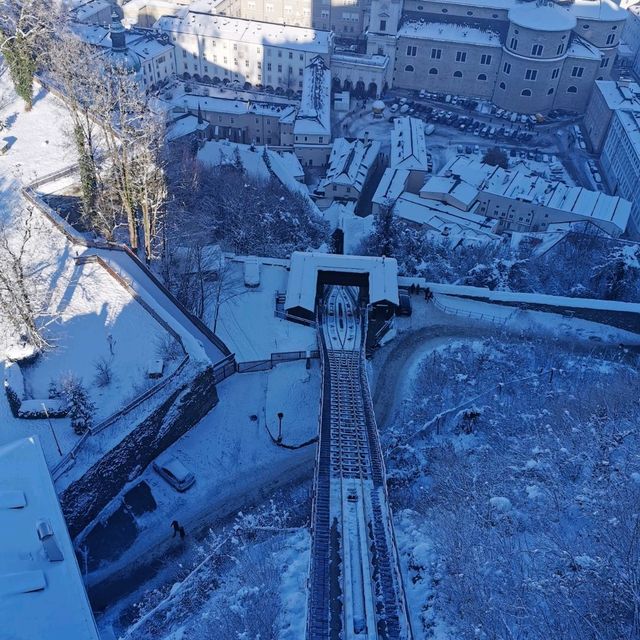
(247, 86)
(360, 90)
(336, 85)
(216, 80)
(196, 77)
(206, 79)
(347, 86)
(373, 90)
(186, 76)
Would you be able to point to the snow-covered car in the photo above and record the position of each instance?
(429, 129)
(174, 472)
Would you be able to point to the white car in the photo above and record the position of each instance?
(173, 471)
(429, 129)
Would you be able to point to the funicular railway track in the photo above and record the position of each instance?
(355, 588)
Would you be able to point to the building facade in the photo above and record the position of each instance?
(525, 57)
(212, 47)
(620, 162)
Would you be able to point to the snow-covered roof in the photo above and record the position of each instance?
(619, 95)
(39, 597)
(449, 32)
(284, 166)
(600, 10)
(580, 48)
(408, 145)
(463, 176)
(391, 185)
(145, 44)
(361, 59)
(549, 17)
(314, 115)
(350, 162)
(443, 217)
(303, 276)
(184, 127)
(207, 25)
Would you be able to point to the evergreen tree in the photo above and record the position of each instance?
(22, 67)
(81, 409)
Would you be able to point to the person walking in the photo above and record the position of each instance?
(176, 528)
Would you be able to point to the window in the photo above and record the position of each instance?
(572, 89)
(268, 66)
(412, 51)
(457, 74)
(610, 38)
(436, 54)
(482, 76)
(526, 93)
(279, 68)
(585, 26)
(503, 86)
(555, 73)
(409, 67)
(383, 25)
(290, 55)
(461, 56)
(550, 92)
(604, 63)
(485, 59)
(433, 71)
(560, 48)
(531, 74)
(507, 68)
(577, 72)
(514, 43)
(537, 50)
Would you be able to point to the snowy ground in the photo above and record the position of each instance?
(232, 456)
(247, 322)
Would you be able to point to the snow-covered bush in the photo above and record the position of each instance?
(104, 373)
(531, 519)
(13, 386)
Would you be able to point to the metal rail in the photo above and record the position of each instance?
(355, 586)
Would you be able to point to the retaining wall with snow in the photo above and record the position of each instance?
(83, 500)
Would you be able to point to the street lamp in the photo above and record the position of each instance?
(280, 416)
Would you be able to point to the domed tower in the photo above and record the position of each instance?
(119, 56)
(533, 56)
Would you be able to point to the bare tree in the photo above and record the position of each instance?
(23, 289)
(120, 143)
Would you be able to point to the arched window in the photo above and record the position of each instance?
(482, 76)
(503, 86)
(457, 74)
(572, 89)
(409, 67)
(433, 71)
(526, 92)
(550, 92)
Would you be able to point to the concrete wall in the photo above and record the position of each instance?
(83, 500)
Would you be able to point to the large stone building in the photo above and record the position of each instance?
(527, 57)
(212, 47)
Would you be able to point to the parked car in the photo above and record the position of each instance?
(173, 471)
(393, 108)
(429, 129)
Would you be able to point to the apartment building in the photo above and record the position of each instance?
(521, 200)
(212, 47)
(607, 98)
(620, 161)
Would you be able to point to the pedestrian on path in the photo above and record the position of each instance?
(176, 528)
